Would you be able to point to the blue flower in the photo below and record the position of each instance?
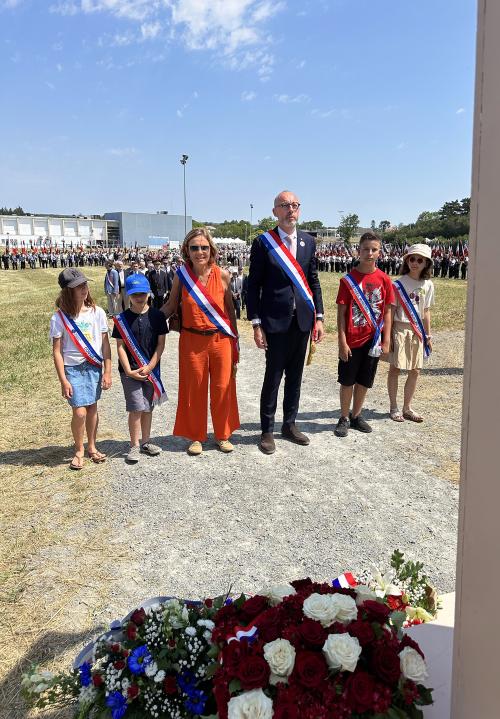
(117, 703)
(186, 681)
(85, 674)
(196, 701)
(139, 660)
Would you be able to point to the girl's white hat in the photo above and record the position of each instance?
(418, 249)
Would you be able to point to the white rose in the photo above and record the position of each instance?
(363, 593)
(413, 666)
(280, 655)
(346, 607)
(321, 608)
(250, 705)
(342, 652)
(278, 593)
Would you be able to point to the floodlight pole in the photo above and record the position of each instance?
(184, 159)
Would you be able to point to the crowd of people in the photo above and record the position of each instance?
(376, 319)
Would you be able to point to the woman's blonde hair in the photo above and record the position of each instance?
(67, 301)
(198, 232)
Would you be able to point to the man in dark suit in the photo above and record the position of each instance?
(158, 281)
(282, 320)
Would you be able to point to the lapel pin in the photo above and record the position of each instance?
(302, 243)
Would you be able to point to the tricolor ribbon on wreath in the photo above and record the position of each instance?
(277, 248)
(413, 317)
(79, 340)
(368, 313)
(121, 324)
(209, 307)
(345, 581)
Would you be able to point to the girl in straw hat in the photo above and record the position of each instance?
(411, 328)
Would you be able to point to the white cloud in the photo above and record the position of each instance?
(59, 67)
(301, 65)
(234, 30)
(460, 110)
(10, 4)
(401, 146)
(50, 85)
(287, 99)
(122, 151)
(248, 95)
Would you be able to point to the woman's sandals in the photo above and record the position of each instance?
(412, 416)
(97, 457)
(396, 415)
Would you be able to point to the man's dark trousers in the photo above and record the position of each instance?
(285, 352)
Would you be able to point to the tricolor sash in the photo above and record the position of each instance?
(121, 324)
(368, 313)
(345, 581)
(275, 245)
(249, 633)
(209, 306)
(79, 340)
(413, 316)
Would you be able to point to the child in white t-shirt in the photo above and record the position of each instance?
(82, 358)
(407, 347)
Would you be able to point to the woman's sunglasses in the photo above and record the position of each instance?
(417, 259)
(202, 248)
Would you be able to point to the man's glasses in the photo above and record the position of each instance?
(418, 260)
(201, 248)
(289, 205)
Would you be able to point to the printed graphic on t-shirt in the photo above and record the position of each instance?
(85, 326)
(373, 294)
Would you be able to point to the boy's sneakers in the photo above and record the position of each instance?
(150, 449)
(133, 455)
(342, 427)
(359, 423)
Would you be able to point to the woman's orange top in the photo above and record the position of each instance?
(192, 315)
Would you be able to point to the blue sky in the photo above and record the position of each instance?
(363, 106)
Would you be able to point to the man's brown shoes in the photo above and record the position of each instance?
(290, 432)
(266, 444)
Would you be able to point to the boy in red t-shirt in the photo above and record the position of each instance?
(357, 367)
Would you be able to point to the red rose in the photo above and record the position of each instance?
(253, 672)
(310, 669)
(170, 684)
(376, 611)
(360, 689)
(386, 664)
(254, 606)
(286, 711)
(209, 603)
(268, 624)
(115, 648)
(301, 584)
(97, 680)
(312, 633)
(131, 631)
(222, 697)
(138, 616)
(363, 631)
(120, 664)
(234, 655)
(132, 691)
(172, 643)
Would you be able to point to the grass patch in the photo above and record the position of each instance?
(53, 536)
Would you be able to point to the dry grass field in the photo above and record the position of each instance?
(44, 505)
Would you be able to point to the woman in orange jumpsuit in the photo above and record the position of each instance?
(204, 351)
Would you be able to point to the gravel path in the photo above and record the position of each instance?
(194, 525)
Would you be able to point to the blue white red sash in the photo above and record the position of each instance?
(249, 633)
(275, 245)
(79, 340)
(368, 313)
(413, 316)
(345, 581)
(209, 306)
(121, 324)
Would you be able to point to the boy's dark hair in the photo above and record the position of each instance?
(425, 273)
(369, 237)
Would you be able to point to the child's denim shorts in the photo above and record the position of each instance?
(85, 379)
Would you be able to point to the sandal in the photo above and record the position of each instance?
(396, 415)
(97, 457)
(76, 462)
(412, 416)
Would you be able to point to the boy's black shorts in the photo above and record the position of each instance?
(360, 368)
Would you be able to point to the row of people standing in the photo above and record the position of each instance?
(286, 310)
